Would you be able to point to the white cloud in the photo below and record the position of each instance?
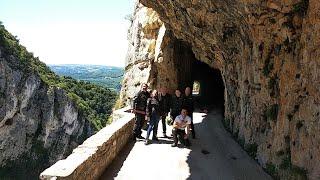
(75, 43)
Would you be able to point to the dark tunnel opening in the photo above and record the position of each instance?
(190, 70)
(211, 92)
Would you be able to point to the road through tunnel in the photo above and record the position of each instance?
(209, 82)
(211, 86)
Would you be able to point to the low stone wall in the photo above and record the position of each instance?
(89, 160)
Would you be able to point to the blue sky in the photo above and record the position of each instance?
(70, 31)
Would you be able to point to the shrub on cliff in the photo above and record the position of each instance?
(94, 102)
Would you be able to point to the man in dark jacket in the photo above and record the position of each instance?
(139, 108)
(189, 105)
(164, 107)
(176, 104)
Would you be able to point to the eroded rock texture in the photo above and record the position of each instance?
(268, 54)
(38, 124)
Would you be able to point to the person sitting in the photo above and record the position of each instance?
(181, 123)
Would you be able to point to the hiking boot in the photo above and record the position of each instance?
(147, 142)
(140, 137)
(155, 139)
(174, 145)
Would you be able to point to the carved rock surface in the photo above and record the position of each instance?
(39, 124)
(269, 57)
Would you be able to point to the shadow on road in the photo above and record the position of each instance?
(117, 163)
(215, 155)
(212, 155)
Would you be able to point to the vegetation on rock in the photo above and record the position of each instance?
(106, 76)
(93, 101)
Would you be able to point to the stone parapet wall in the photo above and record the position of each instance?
(89, 160)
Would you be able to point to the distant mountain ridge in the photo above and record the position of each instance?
(43, 116)
(107, 76)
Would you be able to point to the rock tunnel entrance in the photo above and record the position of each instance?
(211, 92)
(190, 70)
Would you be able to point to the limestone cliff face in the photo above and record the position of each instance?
(38, 124)
(148, 39)
(268, 54)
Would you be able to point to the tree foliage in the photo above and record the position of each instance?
(106, 76)
(93, 101)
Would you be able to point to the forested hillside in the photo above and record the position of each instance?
(43, 116)
(94, 101)
(106, 76)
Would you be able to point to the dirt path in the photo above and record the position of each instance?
(213, 155)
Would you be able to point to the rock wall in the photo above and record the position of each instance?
(148, 40)
(94, 156)
(39, 124)
(268, 54)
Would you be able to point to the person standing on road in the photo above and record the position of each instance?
(188, 103)
(164, 103)
(153, 114)
(139, 108)
(176, 104)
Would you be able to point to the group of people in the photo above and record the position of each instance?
(153, 106)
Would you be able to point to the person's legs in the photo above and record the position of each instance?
(155, 127)
(138, 125)
(153, 124)
(164, 126)
(178, 133)
(175, 136)
(149, 130)
(192, 126)
(181, 134)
